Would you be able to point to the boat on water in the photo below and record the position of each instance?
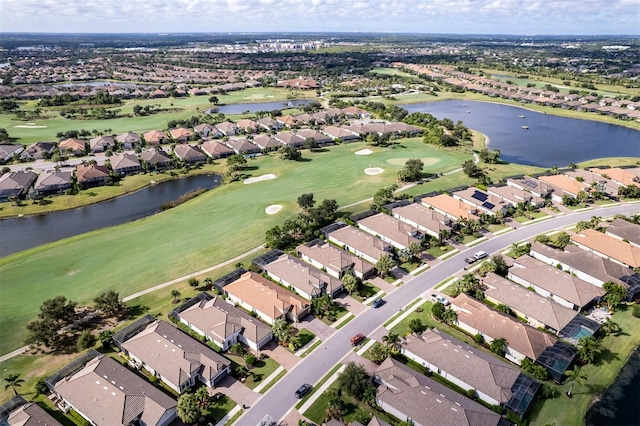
(521, 116)
(525, 127)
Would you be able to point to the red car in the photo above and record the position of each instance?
(355, 340)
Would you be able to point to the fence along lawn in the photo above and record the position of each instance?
(211, 228)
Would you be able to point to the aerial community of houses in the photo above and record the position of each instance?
(157, 150)
(553, 293)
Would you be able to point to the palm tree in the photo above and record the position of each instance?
(202, 396)
(587, 348)
(391, 340)
(13, 381)
(499, 346)
(208, 282)
(574, 377)
(609, 327)
(449, 317)
(188, 409)
(384, 265)
(175, 294)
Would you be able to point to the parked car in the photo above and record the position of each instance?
(355, 340)
(477, 256)
(435, 299)
(302, 391)
(377, 302)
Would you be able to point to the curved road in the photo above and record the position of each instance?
(279, 399)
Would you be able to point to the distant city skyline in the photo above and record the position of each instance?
(517, 17)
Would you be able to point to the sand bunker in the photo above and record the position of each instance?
(24, 126)
(273, 209)
(373, 171)
(366, 151)
(259, 178)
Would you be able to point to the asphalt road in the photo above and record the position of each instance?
(279, 399)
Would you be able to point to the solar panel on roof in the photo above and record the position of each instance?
(488, 205)
(480, 196)
(530, 183)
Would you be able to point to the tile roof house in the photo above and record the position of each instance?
(18, 412)
(39, 150)
(608, 247)
(267, 143)
(564, 288)
(106, 393)
(7, 151)
(171, 355)
(125, 164)
(391, 230)
(450, 207)
(339, 133)
(564, 185)
(624, 230)
(207, 130)
(222, 323)
(269, 124)
(537, 310)
(129, 140)
(619, 175)
(421, 401)
(243, 146)
(595, 181)
(156, 158)
(303, 278)
(247, 125)
(73, 146)
(334, 260)
(267, 299)
(522, 340)
(101, 143)
(320, 138)
(423, 218)
(16, 184)
(216, 150)
(514, 196)
(227, 128)
(484, 202)
(91, 174)
(532, 185)
(289, 138)
(180, 134)
(587, 266)
(364, 245)
(464, 365)
(189, 154)
(155, 137)
(52, 182)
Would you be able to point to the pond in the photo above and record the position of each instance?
(22, 233)
(259, 106)
(547, 141)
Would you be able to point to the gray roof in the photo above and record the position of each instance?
(53, 179)
(13, 184)
(174, 355)
(19, 412)
(220, 319)
(426, 401)
(334, 258)
(302, 276)
(110, 394)
(625, 230)
(530, 303)
(481, 371)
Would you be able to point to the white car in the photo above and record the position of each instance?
(435, 299)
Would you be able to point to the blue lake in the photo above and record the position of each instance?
(549, 140)
(22, 233)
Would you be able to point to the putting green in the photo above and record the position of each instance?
(428, 161)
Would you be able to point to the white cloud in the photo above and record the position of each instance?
(464, 16)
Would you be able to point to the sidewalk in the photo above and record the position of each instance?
(320, 390)
(269, 379)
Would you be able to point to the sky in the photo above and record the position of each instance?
(521, 17)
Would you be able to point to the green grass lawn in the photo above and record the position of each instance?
(599, 376)
(437, 251)
(305, 336)
(219, 408)
(211, 228)
(178, 108)
(260, 370)
(366, 291)
(334, 314)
